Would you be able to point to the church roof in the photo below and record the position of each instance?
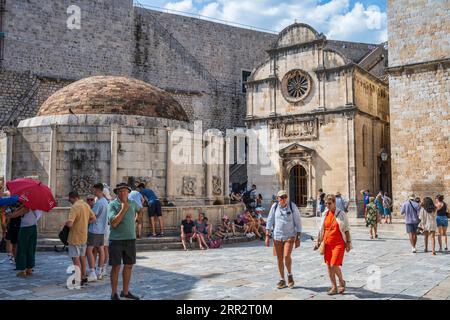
(113, 95)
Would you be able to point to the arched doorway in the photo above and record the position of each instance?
(298, 186)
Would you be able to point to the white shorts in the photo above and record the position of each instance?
(76, 251)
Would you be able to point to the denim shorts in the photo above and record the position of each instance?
(387, 212)
(442, 221)
(411, 227)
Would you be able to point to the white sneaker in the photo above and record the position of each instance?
(413, 250)
(92, 276)
(99, 272)
(11, 259)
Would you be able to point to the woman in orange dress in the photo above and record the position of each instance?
(335, 233)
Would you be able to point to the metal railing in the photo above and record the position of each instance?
(206, 18)
(24, 103)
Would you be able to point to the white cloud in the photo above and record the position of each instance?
(360, 24)
(185, 5)
(335, 18)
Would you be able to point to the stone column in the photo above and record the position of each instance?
(208, 195)
(309, 178)
(226, 169)
(250, 91)
(53, 157)
(349, 88)
(310, 201)
(10, 133)
(169, 167)
(272, 89)
(281, 178)
(352, 196)
(113, 162)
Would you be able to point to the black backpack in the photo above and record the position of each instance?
(290, 206)
(247, 197)
(64, 235)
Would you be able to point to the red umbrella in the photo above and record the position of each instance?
(32, 193)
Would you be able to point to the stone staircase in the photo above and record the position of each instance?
(169, 242)
(238, 173)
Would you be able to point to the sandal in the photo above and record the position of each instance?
(22, 274)
(332, 292)
(341, 288)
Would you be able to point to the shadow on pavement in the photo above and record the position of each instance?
(362, 293)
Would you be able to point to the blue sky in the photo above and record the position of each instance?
(352, 20)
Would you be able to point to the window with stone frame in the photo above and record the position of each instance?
(245, 75)
(296, 85)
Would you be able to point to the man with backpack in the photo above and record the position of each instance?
(387, 205)
(284, 224)
(411, 209)
(249, 198)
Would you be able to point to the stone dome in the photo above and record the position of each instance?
(113, 95)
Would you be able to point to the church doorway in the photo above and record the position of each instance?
(298, 186)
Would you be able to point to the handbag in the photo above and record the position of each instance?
(64, 235)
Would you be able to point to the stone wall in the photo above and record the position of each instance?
(31, 153)
(420, 133)
(82, 158)
(370, 137)
(22, 93)
(419, 101)
(199, 62)
(418, 31)
(38, 38)
(371, 95)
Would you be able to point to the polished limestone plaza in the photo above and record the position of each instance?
(248, 271)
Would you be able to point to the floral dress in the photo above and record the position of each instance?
(372, 215)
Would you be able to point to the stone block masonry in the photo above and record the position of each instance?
(199, 62)
(419, 55)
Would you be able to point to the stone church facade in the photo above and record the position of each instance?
(419, 86)
(325, 107)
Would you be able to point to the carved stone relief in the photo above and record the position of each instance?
(216, 185)
(299, 130)
(189, 184)
(83, 169)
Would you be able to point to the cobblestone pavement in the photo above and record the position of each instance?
(248, 271)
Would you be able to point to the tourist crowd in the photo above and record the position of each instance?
(102, 230)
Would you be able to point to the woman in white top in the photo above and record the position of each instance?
(427, 216)
(27, 240)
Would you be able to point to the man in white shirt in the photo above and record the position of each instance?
(96, 234)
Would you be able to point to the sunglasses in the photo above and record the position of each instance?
(329, 203)
(283, 197)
